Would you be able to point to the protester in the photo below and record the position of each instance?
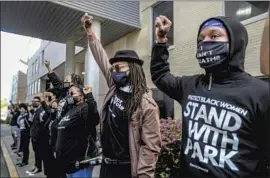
(225, 111)
(13, 123)
(74, 129)
(62, 87)
(35, 135)
(264, 56)
(48, 100)
(24, 125)
(131, 139)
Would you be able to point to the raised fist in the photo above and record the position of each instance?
(87, 89)
(47, 63)
(163, 26)
(87, 22)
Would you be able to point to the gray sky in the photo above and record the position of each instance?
(13, 48)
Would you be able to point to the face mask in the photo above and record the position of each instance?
(49, 98)
(66, 84)
(212, 53)
(53, 111)
(120, 78)
(22, 111)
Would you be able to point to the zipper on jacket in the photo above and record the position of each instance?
(210, 82)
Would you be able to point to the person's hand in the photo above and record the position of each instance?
(87, 89)
(54, 154)
(86, 21)
(47, 63)
(163, 26)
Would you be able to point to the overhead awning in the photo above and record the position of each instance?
(60, 20)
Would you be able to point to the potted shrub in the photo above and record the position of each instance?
(169, 159)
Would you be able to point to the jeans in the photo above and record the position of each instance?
(82, 173)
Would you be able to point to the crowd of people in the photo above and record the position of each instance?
(225, 119)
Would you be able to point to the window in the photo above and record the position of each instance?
(243, 10)
(37, 65)
(33, 68)
(164, 8)
(42, 58)
(30, 89)
(38, 85)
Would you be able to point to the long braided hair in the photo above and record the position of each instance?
(138, 85)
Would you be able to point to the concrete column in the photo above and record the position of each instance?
(91, 76)
(79, 69)
(70, 53)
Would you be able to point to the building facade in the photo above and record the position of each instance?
(18, 89)
(186, 17)
(37, 80)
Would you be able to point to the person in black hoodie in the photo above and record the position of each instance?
(24, 124)
(225, 118)
(74, 129)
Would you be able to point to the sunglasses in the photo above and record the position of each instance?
(118, 68)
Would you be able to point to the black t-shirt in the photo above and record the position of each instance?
(115, 140)
(72, 136)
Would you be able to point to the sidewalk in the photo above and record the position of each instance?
(7, 140)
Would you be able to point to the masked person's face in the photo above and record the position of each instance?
(50, 96)
(76, 94)
(212, 47)
(120, 72)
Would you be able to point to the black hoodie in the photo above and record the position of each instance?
(225, 128)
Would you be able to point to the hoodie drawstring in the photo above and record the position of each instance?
(210, 82)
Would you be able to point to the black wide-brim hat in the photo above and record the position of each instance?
(126, 55)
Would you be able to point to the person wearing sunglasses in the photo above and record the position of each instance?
(130, 138)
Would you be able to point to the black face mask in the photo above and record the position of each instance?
(53, 111)
(212, 53)
(49, 98)
(120, 78)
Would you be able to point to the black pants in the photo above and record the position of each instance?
(37, 147)
(51, 169)
(25, 139)
(113, 171)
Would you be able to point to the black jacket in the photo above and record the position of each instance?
(73, 131)
(57, 84)
(38, 119)
(225, 130)
(15, 115)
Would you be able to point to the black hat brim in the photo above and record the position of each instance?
(126, 59)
